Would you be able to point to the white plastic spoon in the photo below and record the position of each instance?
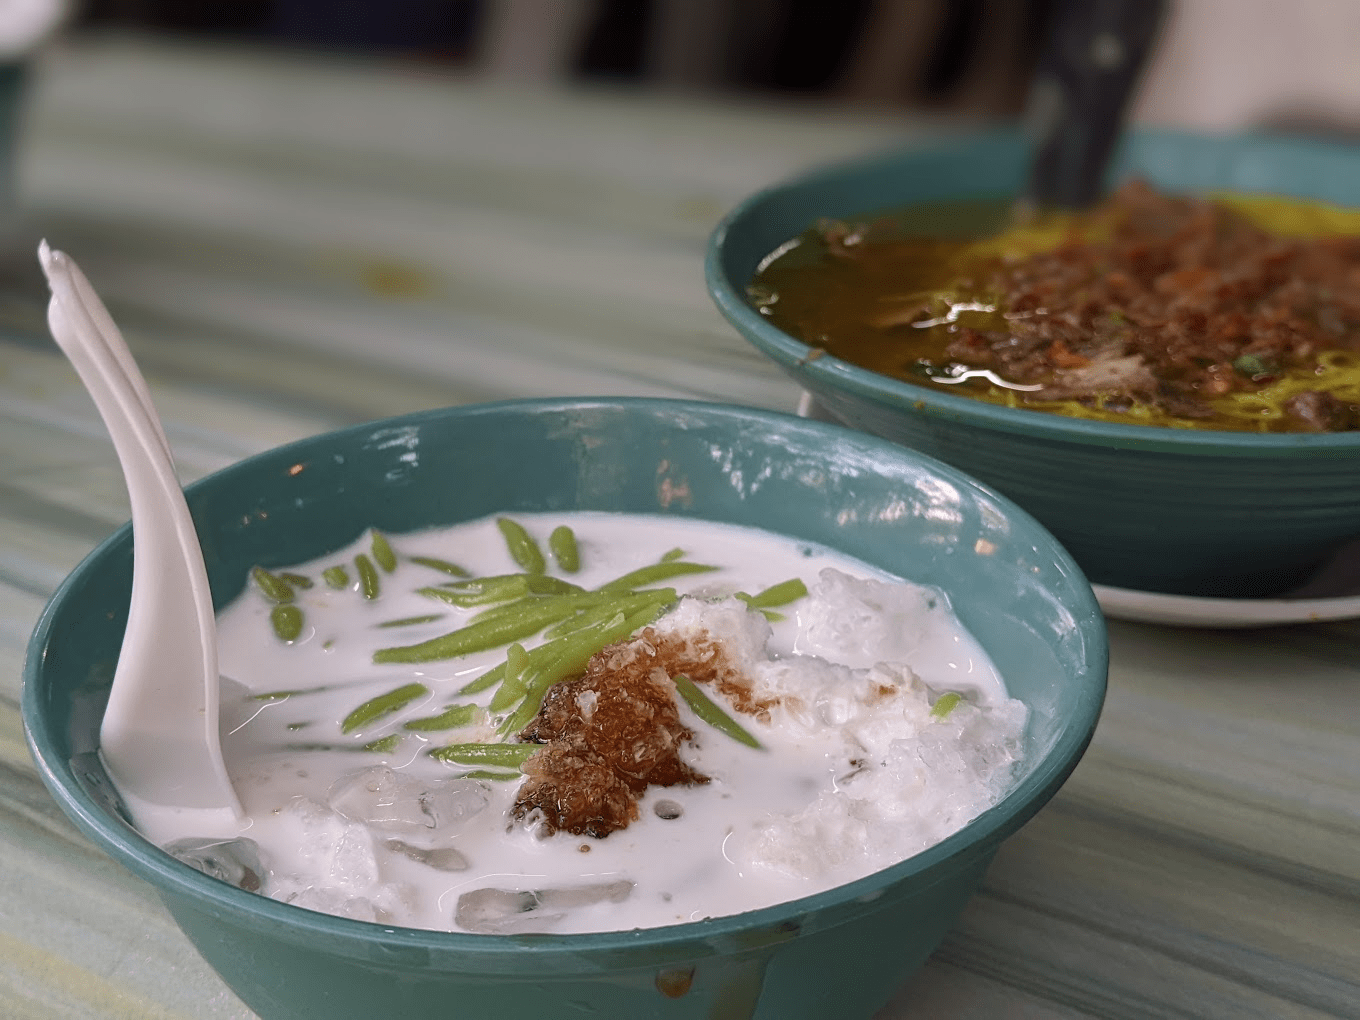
(159, 738)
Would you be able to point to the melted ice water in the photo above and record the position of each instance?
(856, 770)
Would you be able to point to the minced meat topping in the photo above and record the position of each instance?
(616, 730)
(1187, 300)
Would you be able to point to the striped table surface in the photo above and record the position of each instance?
(296, 244)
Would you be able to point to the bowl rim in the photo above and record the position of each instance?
(709, 936)
(829, 374)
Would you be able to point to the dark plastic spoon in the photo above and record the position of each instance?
(1093, 55)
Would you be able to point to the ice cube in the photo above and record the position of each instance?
(863, 622)
(335, 868)
(329, 901)
(508, 911)
(742, 634)
(234, 861)
(338, 852)
(441, 858)
(391, 801)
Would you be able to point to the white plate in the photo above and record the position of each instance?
(1193, 611)
(1332, 593)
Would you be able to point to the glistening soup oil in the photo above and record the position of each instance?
(1232, 312)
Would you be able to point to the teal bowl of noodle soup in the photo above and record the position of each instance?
(840, 953)
(1148, 508)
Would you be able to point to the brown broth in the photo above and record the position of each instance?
(903, 293)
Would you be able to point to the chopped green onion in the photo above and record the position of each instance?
(1253, 365)
(480, 591)
(516, 660)
(382, 552)
(287, 621)
(538, 656)
(562, 545)
(336, 577)
(558, 606)
(512, 686)
(488, 679)
(510, 756)
(568, 597)
(272, 587)
(777, 595)
(296, 580)
(411, 621)
(478, 637)
(494, 775)
(450, 719)
(368, 576)
(383, 705)
(674, 554)
(505, 610)
(523, 549)
(624, 604)
(385, 745)
(707, 710)
(654, 573)
(542, 584)
(436, 563)
(945, 704)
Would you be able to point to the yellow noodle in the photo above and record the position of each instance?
(1338, 374)
(1293, 217)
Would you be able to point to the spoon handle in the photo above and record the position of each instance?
(1092, 57)
(107, 335)
(159, 737)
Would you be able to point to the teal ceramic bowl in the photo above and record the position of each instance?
(1146, 508)
(839, 954)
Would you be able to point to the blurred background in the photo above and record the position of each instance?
(307, 214)
(960, 54)
(448, 190)
(1221, 64)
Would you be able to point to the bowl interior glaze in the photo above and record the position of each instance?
(840, 953)
(1148, 508)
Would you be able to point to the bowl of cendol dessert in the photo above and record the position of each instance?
(1169, 381)
(615, 708)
